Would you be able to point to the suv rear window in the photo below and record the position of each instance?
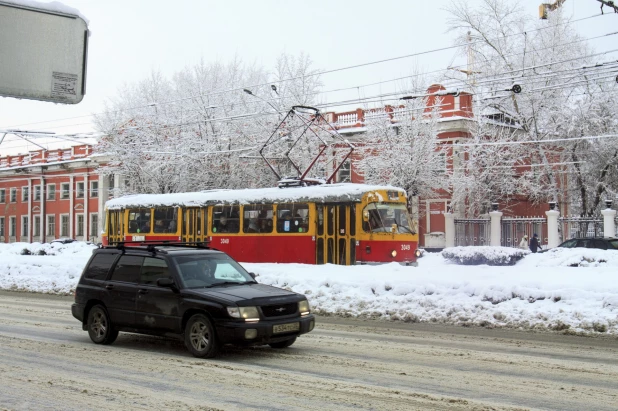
(128, 269)
(152, 270)
(99, 266)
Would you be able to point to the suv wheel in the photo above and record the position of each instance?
(200, 337)
(283, 344)
(100, 328)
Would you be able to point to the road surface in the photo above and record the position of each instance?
(48, 362)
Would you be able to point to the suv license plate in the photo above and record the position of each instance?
(284, 328)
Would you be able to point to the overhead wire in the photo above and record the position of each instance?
(317, 73)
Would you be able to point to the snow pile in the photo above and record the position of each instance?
(484, 255)
(578, 257)
(46, 248)
(535, 294)
(50, 268)
(541, 291)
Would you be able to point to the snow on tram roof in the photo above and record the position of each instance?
(319, 193)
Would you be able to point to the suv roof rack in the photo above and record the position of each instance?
(150, 246)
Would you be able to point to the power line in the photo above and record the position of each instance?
(508, 143)
(318, 73)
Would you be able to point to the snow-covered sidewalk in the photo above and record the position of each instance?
(541, 291)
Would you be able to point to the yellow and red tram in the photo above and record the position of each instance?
(332, 223)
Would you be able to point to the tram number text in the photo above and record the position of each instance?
(225, 241)
(405, 247)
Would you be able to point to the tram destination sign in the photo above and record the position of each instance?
(44, 52)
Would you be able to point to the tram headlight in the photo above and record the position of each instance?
(418, 253)
(394, 253)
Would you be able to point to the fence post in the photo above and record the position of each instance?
(609, 227)
(496, 226)
(449, 229)
(553, 237)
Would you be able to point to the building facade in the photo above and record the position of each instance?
(51, 194)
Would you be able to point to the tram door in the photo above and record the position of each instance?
(115, 226)
(192, 225)
(335, 240)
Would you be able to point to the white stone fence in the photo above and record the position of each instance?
(499, 231)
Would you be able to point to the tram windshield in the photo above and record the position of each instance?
(380, 217)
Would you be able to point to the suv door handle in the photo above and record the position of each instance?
(109, 286)
(142, 291)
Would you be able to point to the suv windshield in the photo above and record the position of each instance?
(380, 217)
(199, 271)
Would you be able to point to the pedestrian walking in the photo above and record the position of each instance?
(523, 244)
(534, 243)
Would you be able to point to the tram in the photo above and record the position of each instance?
(332, 223)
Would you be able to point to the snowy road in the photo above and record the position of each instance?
(48, 362)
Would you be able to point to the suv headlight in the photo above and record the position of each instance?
(303, 307)
(249, 314)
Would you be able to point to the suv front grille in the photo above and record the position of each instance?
(280, 310)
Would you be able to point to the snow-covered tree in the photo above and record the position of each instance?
(404, 150)
(199, 130)
(540, 79)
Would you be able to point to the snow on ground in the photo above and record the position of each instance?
(574, 290)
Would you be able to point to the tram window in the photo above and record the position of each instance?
(258, 218)
(381, 217)
(320, 220)
(165, 220)
(139, 220)
(226, 219)
(330, 220)
(292, 218)
(342, 218)
(353, 220)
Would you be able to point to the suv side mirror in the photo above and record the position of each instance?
(252, 275)
(167, 282)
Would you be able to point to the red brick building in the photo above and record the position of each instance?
(50, 194)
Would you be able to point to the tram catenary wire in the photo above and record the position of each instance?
(325, 72)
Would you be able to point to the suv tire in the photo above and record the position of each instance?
(200, 337)
(283, 344)
(100, 328)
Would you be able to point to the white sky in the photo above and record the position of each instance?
(131, 38)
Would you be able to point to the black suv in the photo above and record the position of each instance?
(198, 294)
(600, 243)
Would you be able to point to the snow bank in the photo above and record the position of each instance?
(57, 271)
(574, 290)
(528, 295)
(484, 255)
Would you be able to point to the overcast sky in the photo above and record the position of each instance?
(130, 38)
